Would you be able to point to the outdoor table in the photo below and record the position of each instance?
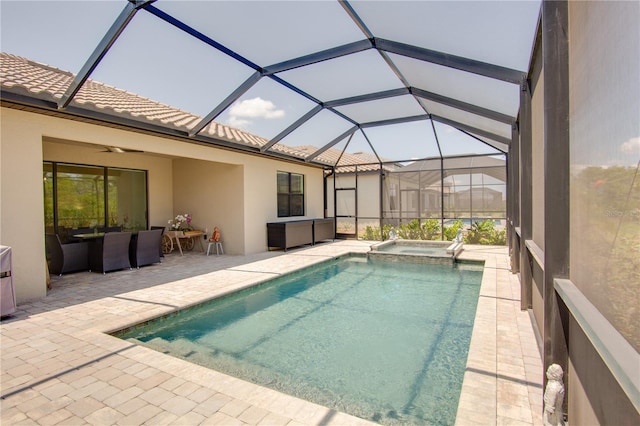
(89, 237)
(178, 235)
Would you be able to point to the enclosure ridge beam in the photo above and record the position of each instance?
(368, 97)
(336, 52)
(292, 127)
(371, 146)
(101, 50)
(197, 34)
(395, 121)
(260, 72)
(344, 149)
(474, 109)
(356, 19)
(471, 129)
(489, 144)
(458, 62)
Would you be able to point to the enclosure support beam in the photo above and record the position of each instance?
(513, 190)
(474, 109)
(395, 121)
(471, 129)
(234, 96)
(314, 58)
(332, 143)
(292, 127)
(101, 50)
(526, 181)
(458, 62)
(555, 53)
(366, 98)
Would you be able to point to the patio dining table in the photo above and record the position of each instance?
(89, 237)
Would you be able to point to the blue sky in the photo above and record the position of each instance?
(156, 60)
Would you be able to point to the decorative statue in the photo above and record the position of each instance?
(216, 235)
(553, 397)
(392, 234)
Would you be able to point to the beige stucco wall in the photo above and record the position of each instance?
(218, 187)
(261, 204)
(21, 202)
(212, 194)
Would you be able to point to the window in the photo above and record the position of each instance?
(290, 194)
(79, 196)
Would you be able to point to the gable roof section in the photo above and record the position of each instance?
(346, 162)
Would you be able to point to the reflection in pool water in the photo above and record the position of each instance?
(385, 341)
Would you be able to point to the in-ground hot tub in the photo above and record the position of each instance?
(438, 251)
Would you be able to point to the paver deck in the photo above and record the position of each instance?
(60, 367)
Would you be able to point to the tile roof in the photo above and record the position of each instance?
(43, 82)
(40, 81)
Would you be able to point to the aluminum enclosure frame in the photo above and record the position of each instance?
(381, 45)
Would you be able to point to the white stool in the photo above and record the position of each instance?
(218, 246)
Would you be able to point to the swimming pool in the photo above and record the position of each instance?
(365, 337)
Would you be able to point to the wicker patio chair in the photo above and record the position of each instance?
(63, 258)
(110, 252)
(143, 249)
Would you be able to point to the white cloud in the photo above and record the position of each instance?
(255, 108)
(632, 146)
(238, 122)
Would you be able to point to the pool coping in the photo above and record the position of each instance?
(83, 327)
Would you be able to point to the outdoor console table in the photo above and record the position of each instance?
(324, 229)
(289, 234)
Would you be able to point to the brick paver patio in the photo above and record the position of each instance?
(59, 366)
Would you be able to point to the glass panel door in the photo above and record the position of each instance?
(79, 198)
(127, 199)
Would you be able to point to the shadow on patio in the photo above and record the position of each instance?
(81, 287)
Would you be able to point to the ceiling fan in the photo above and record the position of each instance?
(118, 150)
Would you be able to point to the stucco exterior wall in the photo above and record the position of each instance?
(261, 204)
(22, 203)
(212, 193)
(219, 187)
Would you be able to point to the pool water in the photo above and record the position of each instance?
(385, 341)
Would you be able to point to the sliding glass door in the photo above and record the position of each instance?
(81, 197)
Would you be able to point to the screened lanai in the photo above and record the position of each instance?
(412, 85)
(393, 111)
